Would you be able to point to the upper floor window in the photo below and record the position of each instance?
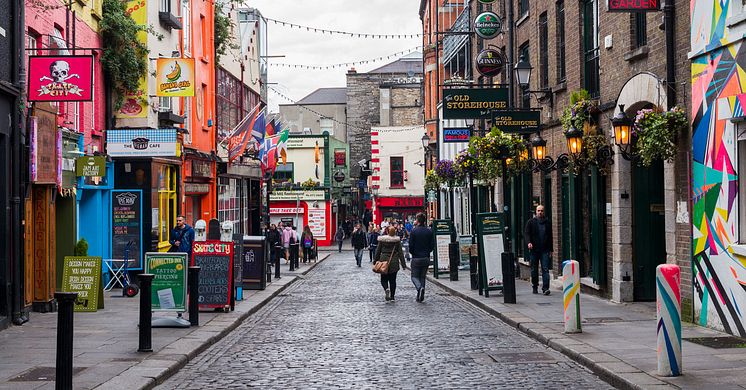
(560, 34)
(543, 51)
(186, 22)
(639, 29)
(522, 7)
(397, 172)
(591, 80)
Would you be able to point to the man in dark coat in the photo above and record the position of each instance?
(359, 242)
(538, 237)
(274, 240)
(182, 236)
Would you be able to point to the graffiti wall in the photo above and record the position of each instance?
(718, 85)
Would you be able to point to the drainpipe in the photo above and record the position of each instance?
(669, 16)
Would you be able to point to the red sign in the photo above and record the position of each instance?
(60, 78)
(215, 258)
(340, 157)
(633, 5)
(400, 202)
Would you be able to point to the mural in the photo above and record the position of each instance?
(718, 84)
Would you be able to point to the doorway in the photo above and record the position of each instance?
(648, 228)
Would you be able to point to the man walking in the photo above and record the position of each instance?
(538, 235)
(359, 242)
(182, 237)
(421, 244)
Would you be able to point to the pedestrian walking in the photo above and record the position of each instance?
(274, 240)
(339, 237)
(287, 238)
(373, 241)
(538, 235)
(389, 249)
(421, 244)
(182, 237)
(359, 243)
(307, 241)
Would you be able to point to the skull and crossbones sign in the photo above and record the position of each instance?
(60, 72)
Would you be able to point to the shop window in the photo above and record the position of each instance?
(284, 173)
(397, 172)
(165, 183)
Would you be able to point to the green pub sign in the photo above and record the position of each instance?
(470, 103)
(169, 280)
(82, 274)
(90, 166)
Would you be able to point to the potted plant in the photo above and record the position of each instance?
(657, 132)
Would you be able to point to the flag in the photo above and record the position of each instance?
(282, 146)
(272, 126)
(258, 129)
(241, 134)
(268, 153)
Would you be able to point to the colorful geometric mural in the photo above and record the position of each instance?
(718, 85)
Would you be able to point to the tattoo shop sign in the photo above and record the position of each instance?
(60, 78)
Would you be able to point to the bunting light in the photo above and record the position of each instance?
(342, 64)
(346, 33)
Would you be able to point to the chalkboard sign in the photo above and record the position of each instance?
(490, 231)
(215, 259)
(443, 231)
(126, 226)
(254, 264)
(169, 280)
(82, 274)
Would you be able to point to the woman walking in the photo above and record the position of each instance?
(389, 249)
(307, 242)
(421, 243)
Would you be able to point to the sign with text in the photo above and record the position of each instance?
(142, 143)
(517, 121)
(633, 5)
(135, 102)
(401, 201)
(340, 157)
(456, 134)
(126, 226)
(60, 78)
(174, 77)
(43, 153)
(443, 231)
(254, 262)
(215, 259)
(297, 195)
(490, 232)
(468, 103)
(169, 281)
(90, 166)
(490, 62)
(82, 274)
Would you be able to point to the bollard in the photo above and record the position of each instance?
(64, 366)
(145, 339)
(454, 259)
(473, 270)
(277, 261)
(193, 286)
(668, 302)
(508, 277)
(571, 295)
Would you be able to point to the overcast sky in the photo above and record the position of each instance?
(302, 47)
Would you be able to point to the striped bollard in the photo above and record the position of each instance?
(571, 295)
(668, 302)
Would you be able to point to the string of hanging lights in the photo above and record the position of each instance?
(343, 64)
(338, 32)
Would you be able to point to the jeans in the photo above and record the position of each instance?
(359, 256)
(419, 271)
(306, 254)
(340, 245)
(372, 252)
(544, 257)
(388, 281)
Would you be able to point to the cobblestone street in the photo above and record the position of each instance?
(334, 330)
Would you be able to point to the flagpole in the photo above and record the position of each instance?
(235, 129)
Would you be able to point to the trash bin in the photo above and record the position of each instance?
(254, 263)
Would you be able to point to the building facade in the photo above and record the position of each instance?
(323, 110)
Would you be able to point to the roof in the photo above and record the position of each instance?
(411, 62)
(337, 95)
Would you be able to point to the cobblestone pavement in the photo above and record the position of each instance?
(334, 330)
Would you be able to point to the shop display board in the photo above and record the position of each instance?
(317, 222)
(82, 274)
(126, 226)
(215, 259)
(443, 231)
(169, 289)
(490, 232)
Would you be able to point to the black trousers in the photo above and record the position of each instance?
(388, 281)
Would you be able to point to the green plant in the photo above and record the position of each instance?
(124, 57)
(81, 248)
(223, 32)
(657, 133)
(309, 184)
(432, 181)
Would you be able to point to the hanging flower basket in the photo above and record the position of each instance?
(467, 163)
(657, 133)
(446, 170)
(432, 180)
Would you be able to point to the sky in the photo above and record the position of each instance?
(302, 47)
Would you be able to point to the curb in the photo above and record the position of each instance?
(572, 348)
(158, 367)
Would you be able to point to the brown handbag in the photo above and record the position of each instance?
(382, 267)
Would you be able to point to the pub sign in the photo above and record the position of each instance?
(633, 5)
(470, 103)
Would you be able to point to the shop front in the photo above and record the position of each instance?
(312, 208)
(395, 207)
(239, 197)
(199, 186)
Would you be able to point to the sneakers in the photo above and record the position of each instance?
(388, 294)
(536, 290)
(418, 294)
(421, 295)
(547, 292)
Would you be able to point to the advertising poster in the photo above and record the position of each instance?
(60, 78)
(82, 275)
(135, 103)
(174, 77)
(169, 281)
(443, 231)
(317, 222)
(490, 230)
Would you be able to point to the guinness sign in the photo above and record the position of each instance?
(490, 62)
(488, 25)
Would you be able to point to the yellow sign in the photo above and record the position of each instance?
(135, 103)
(175, 77)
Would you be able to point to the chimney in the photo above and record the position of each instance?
(352, 70)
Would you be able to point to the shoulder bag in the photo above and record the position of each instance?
(382, 267)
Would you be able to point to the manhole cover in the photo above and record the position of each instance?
(601, 320)
(521, 357)
(41, 374)
(719, 342)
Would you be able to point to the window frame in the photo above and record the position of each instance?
(560, 43)
(639, 27)
(393, 172)
(543, 51)
(523, 7)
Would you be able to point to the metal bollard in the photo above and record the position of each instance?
(571, 295)
(508, 277)
(145, 339)
(454, 259)
(277, 261)
(473, 271)
(668, 280)
(193, 286)
(64, 366)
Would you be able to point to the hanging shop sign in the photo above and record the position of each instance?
(486, 1)
(142, 143)
(456, 134)
(490, 63)
(518, 121)
(43, 151)
(60, 78)
(443, 230)
(633, 5)
(135, 102)
(340, 157)
(488, 25)
(175, 77)
(215, 259)
(473, 102)
(490, 232)
(339, 176)
(169, 280)
(82, 274)
(126, 227)
(90, 166)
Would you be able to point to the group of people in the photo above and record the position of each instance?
(283, 236)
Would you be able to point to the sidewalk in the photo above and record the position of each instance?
(618, 342)
(105, 343)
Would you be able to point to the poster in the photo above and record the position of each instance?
(490, 231)
(441, 244)
(317, 222)
(443, 231)
(82, 274)
(135, 103)
(169, 280)
(175, 77)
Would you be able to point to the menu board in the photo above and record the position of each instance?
(441, 246)
(82, 274)
(490, 229)
(317, 222)
(169, 280)
(126, 226)
(443, 231)
(215, 259)
(253, 259)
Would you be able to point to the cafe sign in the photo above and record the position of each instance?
(633, 5)
(175, 77)
(517, 121)
(90, 166)
(488, 25)
(490, 63)
(142, 143)
(471, 103)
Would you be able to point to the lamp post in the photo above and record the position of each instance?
(623, 136)
(426, 148)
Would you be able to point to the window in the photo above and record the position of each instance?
(525, 96)
(164, 104)
(164, 181)
(205, 37)
(186, 22)
(229, 206)
(560, 34)
(543, 51)
(165, 6)
(522, 7)
(397, 172)
(590, 47)
(57, 41)
(639, 30)
(284, 173)
(326, 124)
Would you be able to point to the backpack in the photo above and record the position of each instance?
(307, 242)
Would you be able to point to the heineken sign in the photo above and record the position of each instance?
(488, 25)
(518, 121)
(470, 103)
(486, 1)
(490, 63)
(90, 166)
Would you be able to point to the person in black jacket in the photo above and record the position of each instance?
(421, 243)
(372, 241)
(538, 237)
(274, 240)
(359, 243)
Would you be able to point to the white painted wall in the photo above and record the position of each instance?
(399, 141)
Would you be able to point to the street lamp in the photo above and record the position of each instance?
(574, 141)
(538, 147)
(523, 73)
(622, 125)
